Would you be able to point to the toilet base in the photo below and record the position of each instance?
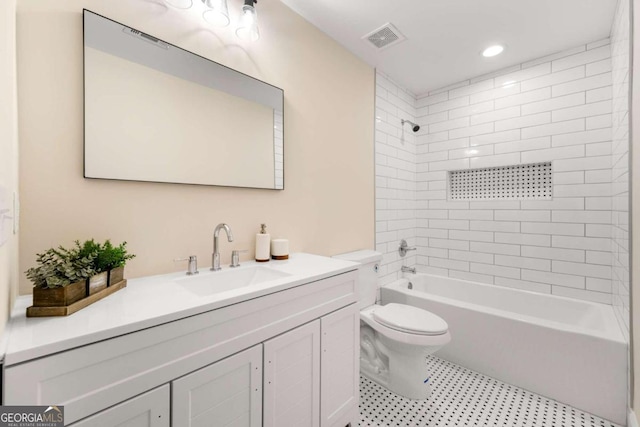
(410, 390)
(410, 377)
(402, 370)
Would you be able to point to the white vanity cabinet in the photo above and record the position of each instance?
(226, 393)
(340, 373)
(312, 373)
(292, 378)
(150, 409)
(306, 377)
(272, 360)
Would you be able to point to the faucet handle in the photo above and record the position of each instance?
(192, 267)
(235, 257)
(404, 248)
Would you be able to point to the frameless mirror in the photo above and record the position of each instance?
(156, 112)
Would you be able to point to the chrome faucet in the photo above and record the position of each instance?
(406, 269)
(215, 257)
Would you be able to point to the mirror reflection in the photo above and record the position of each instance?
(156, 112)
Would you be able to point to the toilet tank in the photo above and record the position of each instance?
(367, 274)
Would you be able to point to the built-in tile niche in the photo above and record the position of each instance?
(515, 182)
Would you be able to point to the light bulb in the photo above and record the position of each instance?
(217, 12)
(248, 28)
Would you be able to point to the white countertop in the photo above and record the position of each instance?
(147, 302)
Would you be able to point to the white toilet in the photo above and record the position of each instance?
(395, 338)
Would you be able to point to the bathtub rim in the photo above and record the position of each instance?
(615, 334)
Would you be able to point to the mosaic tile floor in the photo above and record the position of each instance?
(462, 397)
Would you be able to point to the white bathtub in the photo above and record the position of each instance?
(571, 351)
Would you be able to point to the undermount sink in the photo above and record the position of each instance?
(221, 281)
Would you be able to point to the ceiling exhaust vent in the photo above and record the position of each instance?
(385, 36)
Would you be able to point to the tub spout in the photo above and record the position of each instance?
(406, 269)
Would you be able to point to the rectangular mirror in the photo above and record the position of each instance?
(156, 112)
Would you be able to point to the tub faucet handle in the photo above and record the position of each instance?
(404, 248)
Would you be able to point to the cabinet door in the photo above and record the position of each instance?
(226, 393)
(340, 365)
(150, 409)
(292, 378)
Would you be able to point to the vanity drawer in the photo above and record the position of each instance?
(88, 379)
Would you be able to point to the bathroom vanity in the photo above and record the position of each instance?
(257, 345)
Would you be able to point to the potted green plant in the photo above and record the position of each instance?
(113, 259)
(60, 277)
(90, 249)
(108, 263)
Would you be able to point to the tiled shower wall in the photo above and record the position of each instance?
(620, 161)
(569, 108)
(395, 176)
(556, 108)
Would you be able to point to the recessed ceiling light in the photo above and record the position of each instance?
(492, 51)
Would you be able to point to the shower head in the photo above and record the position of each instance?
(414, 126)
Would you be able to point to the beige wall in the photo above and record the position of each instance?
(326, 208)
(8, 153)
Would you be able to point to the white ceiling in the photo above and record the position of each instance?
(445, 37)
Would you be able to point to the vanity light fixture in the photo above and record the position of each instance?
(217, 12)
(493, 51)
(248, 27)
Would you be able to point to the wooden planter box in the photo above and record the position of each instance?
(97, 283)
(68, 300)
(58, 297)
(35, 311)
(116, 275)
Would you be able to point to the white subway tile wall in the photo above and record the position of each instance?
(396, 183)
(620, 163)
(555, 109)
(570, 108)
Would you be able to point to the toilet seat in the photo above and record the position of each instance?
(409, 319)
(402, 337)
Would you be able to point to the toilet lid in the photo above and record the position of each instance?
(410, 319)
